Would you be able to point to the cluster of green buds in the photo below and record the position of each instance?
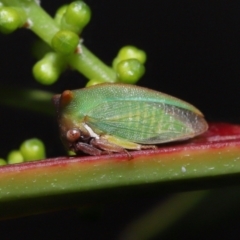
(71, 20)
(128, 65)
(62, 34)
(30, 150)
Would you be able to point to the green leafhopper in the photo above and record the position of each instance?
(114, 117)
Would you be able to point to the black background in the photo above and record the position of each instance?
(193, 50)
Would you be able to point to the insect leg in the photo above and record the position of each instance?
(108, 146)
(148, 147)
(86, 148)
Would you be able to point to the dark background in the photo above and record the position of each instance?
(193, 50)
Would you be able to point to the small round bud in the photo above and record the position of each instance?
(76, 17)
(45, 73)
(65, 42)
(93, 82)
(11, 19)
(32, 149)
(71, 153)
(130, 71)
(59, 14)
(3, 162)
(47, 70)
(15, 156)
(129, 52)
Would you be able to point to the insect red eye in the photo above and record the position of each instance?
(73, 135)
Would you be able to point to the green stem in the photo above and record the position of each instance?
(92, 67)
(45, 27)
(162, 216)
(34, 100)
(69, 181)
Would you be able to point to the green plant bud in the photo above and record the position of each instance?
(11, 19)
(94, 82)
(22, 16)
(47, 70)
(115, 62)
(32, 149)
(130, 71)
(129, 52)
(71, 153)
(76, 17)
(2, 162)
(65, 42)
(15, 156)
(45, 73)
(59, 14)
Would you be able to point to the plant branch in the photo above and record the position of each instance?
(206, 159)
(45, 27)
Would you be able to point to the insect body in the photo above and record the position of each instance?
(115, 117)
